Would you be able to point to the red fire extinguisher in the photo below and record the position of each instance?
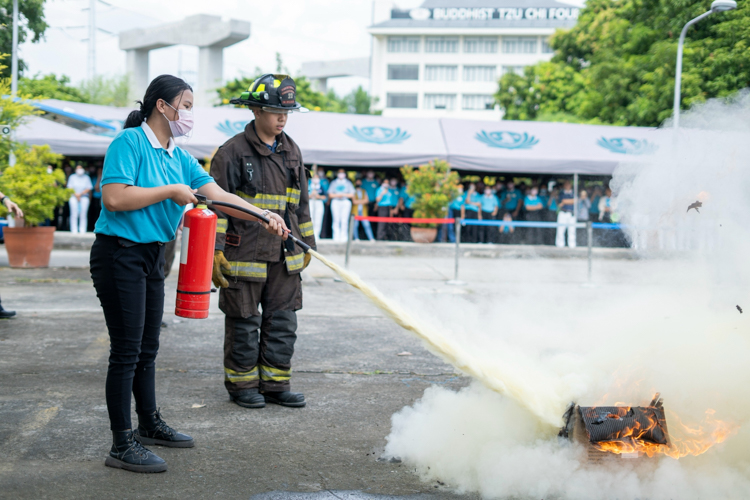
(196, 263)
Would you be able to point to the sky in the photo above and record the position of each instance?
(300, 30)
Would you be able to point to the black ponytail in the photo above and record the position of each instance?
(165, 87)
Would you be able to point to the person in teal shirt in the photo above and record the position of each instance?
(490, 208)
(370, 184)
(146, 182)
(386, 200)
(512, 201)
(454, 211)
(534, 206)
(470, 210)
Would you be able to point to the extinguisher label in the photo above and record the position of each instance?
(184, 246)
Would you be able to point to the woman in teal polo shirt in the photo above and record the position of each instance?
(147, 180)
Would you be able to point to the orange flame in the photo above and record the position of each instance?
(683, 439)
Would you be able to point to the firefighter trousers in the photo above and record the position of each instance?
(258, 347)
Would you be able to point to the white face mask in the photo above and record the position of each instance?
(79, 171)
(184, 123)
(342, 176)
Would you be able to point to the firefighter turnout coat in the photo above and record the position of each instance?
(265, 270)
(245, 166)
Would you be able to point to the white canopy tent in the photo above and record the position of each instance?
(349, 140)
(545, 148)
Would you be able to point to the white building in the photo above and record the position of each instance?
(445, 57)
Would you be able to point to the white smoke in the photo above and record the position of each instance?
(667, 323)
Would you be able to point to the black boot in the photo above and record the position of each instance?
(286, 398)
(153, 430)
(4, 314)
(128, 454)
(249, 399)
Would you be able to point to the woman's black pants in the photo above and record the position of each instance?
(129, 282)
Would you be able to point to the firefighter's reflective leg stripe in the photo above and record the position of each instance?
(271, 374)
(221, 226)
(266, 201)
(295, 262)
(292, 196)
(247, 269)
(235, 376)
(306, 229)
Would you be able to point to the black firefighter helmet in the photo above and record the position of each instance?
(271, 92)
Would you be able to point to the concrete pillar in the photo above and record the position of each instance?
(320, 84)
(210, 75)
(137, 69)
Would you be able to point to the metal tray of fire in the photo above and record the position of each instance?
(617, 432)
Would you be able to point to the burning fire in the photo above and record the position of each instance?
(683, 440)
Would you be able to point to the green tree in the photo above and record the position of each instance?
(50, 87)
(107, 91)
(13, 113)
(617, 65)
(32, 26)
(359, 101)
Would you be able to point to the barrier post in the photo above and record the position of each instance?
(590, 235)
(349, 237)
(455, 280)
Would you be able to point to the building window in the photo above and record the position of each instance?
(403, 44)
(480, 44)
(513, 69)
(402, 101)
(546, 47)
(403, 71)
(441, 73)
(521, 45)
(479, 73)
(442, 44)
(439, 101)
(478, 101)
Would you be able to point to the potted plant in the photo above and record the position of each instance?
(433, 186)
(37, 192)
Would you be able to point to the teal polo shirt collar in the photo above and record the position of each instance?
(155, 142)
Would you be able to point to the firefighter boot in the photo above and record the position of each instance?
(249, 399)
(128, 454)
(152, 430)
(286, 398)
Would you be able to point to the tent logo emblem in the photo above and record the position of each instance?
(507, 140)
(378, 135)
(231, 128)
(627, 145)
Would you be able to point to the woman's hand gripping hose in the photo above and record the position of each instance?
(220, 262)
(267, 220)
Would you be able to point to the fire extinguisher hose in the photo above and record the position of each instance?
(202, 199)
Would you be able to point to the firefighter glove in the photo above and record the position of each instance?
(220, 262)
(307, 259)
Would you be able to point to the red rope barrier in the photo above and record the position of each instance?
(405, 220)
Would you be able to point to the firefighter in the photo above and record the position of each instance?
(263, 166)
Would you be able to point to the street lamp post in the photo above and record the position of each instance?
(14, 72)
(716, 6)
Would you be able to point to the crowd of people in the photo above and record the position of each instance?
(333, 201)
(334, 197)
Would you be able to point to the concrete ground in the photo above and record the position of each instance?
(53, 358)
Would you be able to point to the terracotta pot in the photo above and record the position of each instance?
(423, 234)
(29, 246)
